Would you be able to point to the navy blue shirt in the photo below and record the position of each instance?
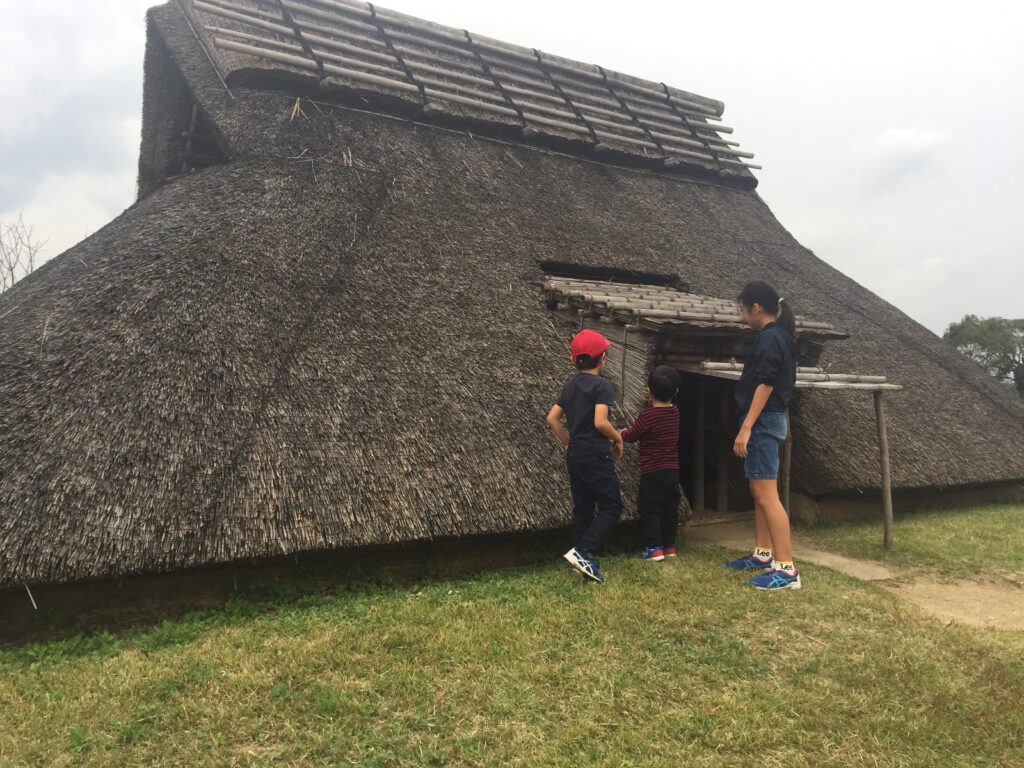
(579, 397)
(772, 361)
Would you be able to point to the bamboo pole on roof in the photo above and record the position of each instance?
(545, 109)
(612, 124)
(432, 44)
(253, 38)
(533, 118)
(483, 106)
(853, 378)
(365, 77)
(381, 69)
(246, 9)
(334, 45)
(363, 35)
(848, 385)
(715, 366)
(263, 53)
(394, 18)
(250, 20)
(699, 126)
(601, 105)
(883, 458)
(521, 94)
(604, 135)
(492, 102)
(335, 17)
(344, 6)
(450, 74)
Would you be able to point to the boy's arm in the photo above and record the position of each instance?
(555, 422)
(635, 431)
(602, 425)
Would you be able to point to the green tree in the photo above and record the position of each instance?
(995, 343)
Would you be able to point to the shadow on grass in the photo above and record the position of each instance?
(148, 613)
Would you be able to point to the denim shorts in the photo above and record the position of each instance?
(762, 462)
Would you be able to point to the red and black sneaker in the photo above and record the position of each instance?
(670, 551)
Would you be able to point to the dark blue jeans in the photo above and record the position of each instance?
(594, 483)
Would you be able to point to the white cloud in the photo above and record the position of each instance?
(66, 208)
(911, 140)
(900, 156)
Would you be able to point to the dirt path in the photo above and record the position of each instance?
(994, 603)
(998, 604)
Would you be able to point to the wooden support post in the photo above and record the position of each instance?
(787, 461)
(883, 455)
(721, 473)
(698, 450)
(622, 371)
(188, 141)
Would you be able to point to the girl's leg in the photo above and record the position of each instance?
(762, 536)
(771, 520)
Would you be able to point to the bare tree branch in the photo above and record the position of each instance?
(19, 252)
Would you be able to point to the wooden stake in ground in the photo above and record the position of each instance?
(698, 451)
(787, 461)
(722, 474)
(883, 456)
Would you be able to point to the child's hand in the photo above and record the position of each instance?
(618, 449)
(739, 447)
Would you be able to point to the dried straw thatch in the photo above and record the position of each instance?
(326, 327)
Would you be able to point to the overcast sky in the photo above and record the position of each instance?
(890, 132)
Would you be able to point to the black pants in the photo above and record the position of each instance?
(594, 482)
(658, 508)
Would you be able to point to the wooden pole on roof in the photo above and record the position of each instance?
(721, 475)
(883, 455)
(787, 461)
(698, 450)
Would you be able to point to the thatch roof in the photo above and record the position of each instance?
(335, 334)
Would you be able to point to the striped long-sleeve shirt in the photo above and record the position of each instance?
(657, 431)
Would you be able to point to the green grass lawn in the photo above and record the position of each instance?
(667, 664)
(964, 542)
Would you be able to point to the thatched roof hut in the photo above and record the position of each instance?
(324, 322)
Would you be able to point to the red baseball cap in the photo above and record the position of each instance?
(588, 342)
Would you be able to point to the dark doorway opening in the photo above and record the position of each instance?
(708, 424)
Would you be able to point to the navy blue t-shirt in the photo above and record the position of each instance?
(579, 396)
(772, 361)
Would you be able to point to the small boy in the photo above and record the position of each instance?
(588, 438)
(657, 431)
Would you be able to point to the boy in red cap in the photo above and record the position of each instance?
(590, 442)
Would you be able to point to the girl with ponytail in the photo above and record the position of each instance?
(762, 397)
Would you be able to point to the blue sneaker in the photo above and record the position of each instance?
(655, 554)
(585, 564)
(775, 579)
(749, 563)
